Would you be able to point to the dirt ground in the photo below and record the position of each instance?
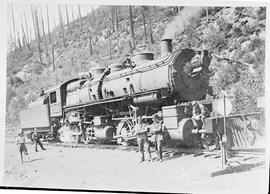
(102, 169)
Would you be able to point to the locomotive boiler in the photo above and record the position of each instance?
(104, 102)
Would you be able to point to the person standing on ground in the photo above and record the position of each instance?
(157, 129)
(36, 138)
(20, 141)
(141, 133)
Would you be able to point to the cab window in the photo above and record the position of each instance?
(53, 97)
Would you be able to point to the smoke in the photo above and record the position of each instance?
(66, 135)
(180, 22)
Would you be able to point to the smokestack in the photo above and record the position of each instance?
(166, 46)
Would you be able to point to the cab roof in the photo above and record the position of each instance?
(60, 85)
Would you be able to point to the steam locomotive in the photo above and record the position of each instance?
(103, 103)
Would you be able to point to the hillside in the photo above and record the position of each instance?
(235, 33)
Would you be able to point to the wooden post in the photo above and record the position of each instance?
(224, 138)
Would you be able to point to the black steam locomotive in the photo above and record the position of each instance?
(104, 102)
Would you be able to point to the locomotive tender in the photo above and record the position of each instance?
(98, 104)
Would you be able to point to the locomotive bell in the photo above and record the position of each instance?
(166, 46)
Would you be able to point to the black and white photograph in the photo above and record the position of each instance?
(167, 97)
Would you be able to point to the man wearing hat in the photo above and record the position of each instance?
(36, 138)
(157, 129)
(141, 133)
(20, 141)
(199, 113)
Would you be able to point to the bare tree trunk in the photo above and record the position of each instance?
(53, 58)
(110, 44)
(67, 17)
(72, 13)
(13, 22)
(116, 18)
(34, 22)
(150, 26)
(61, 25)
(73, 24)
(80, 16)
(44, 34)
(144, 25)
(26, 29)
(207, 16)
(54, 23)
(94, 17)
(38, 36)
(126, 20)
(25, 38)
(48, 24)
(131, 27)
(90, 43)
(130, 47)
(19, 41)
(30, 35)
(10, 43)
(112, 18)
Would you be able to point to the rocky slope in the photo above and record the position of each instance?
(237, 33)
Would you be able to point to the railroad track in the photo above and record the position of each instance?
(168, 152)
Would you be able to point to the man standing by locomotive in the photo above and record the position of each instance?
(157, 129)
(199, 113)
(140, 130)
(36, 138)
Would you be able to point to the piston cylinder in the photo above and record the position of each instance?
(166, 46)
(105, 133)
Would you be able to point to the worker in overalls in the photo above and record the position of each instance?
(199, 114)
(140, 130)
(20, 141)
(157, 129)
(36, 138)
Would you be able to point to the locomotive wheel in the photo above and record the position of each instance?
(211, 141)
(77, 138)
(87, 137)
(123, 129)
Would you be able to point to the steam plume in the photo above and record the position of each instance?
(179, 23)
(66, 135)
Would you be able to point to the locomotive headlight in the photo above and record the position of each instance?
(193, 64)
